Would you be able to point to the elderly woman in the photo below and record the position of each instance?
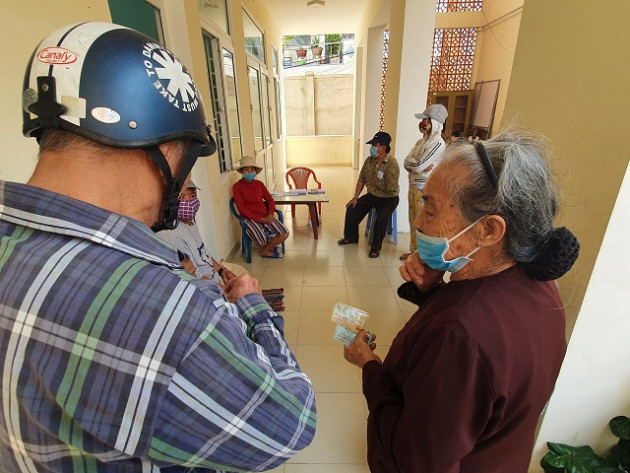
(465, 380)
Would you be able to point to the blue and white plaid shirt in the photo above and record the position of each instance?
(113, 358)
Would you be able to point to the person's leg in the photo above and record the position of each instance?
(280, 232)
(256, 231)
(415, 205)
(354, 216)
(384, 209)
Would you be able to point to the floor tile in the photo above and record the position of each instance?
(327, 369)
(340, 437)
(373, 299)
(323, 297)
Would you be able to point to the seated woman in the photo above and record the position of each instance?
(254, 203)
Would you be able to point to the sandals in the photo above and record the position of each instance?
(374, 254)
(343, 241)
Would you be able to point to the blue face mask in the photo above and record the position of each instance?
(432, 250)
(250, 176)
(373, 151)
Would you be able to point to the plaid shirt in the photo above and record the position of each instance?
(115, 359)
(381, 179)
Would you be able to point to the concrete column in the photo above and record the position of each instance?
(411, 39)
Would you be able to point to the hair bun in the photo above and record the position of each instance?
(558, 254)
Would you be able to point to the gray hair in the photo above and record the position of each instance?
(58, 140)
(525, 196)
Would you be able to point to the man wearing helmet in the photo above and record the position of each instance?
(115, 358)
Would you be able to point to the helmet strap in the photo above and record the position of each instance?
(173, 186)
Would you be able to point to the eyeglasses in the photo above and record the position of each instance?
(487, 164)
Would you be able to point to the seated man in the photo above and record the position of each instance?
(379, 174)
(254, 203)
(187, 239)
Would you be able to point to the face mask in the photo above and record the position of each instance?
(432, 250)
(373, 151)
(188, 209)
(250, 176)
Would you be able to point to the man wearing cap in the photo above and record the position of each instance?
(114, 358)
(380, 173)
(423, 159)
(255, 203)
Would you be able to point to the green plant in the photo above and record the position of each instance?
(566, 458)
(333, 43)
(315, 41)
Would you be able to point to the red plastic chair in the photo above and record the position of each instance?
(300, 177)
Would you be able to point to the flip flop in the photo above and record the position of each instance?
(374, 254)
(271, 256)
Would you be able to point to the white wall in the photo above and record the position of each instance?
(23, 25)
(594, 384)
(414, 83)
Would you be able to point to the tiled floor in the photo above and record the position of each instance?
(315, 274)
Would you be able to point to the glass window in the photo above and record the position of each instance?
(232, 107)
(266, 110)
(254, 40)
(215, 11)
(274, 60)
(217, 96)
(139, 15)
(278, 113)
(254, 95)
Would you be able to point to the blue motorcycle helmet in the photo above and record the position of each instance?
(118, 87)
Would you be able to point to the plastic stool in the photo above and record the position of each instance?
(392, 226)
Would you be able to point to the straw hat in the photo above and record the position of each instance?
(248, 162)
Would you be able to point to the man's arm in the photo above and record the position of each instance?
(238, 401)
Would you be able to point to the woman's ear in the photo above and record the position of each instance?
(491, 231)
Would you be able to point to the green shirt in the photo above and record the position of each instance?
(381, 179)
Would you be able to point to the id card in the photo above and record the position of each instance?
(380, 174)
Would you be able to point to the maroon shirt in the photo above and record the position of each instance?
(466, 379)
(252, 199)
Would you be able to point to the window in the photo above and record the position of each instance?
(139, 15)
(278, 113)
(219, 106)
(254, 40)
(444, 6)
(452, 59)
(254, 95)
(216, 12)
(266, 110)
(232, 105)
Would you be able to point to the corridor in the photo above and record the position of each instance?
(315, 274)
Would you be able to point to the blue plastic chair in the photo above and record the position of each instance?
(392, 226)
(246, 241)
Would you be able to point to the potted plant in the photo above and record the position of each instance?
(566, 458)
(333, 46)
(316, 49)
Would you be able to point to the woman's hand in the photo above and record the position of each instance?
(359, 353)
(414, 269)
(352, 202)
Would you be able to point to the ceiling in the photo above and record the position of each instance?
(293, 17)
